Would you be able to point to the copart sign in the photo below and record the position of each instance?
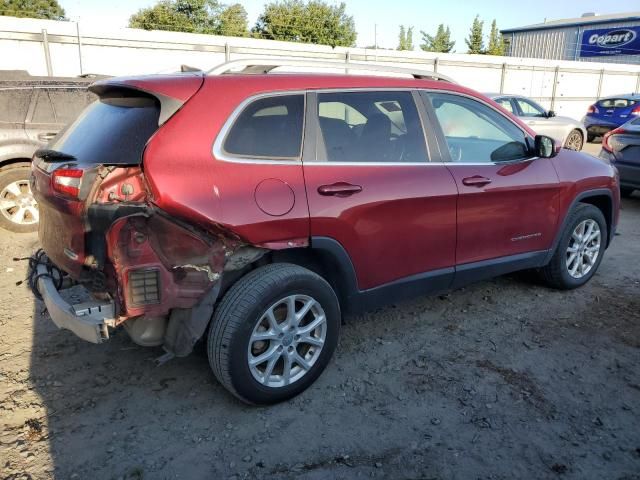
(610, 41)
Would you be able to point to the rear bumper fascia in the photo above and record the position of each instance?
(89, 320)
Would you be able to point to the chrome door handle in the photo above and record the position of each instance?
(339, 189)
(45, 137)
(476, 181)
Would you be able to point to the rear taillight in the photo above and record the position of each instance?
(592, 109)
(607, 143)
(636, 111)
(66, 181)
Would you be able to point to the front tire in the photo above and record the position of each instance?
(18, 209)
(273, 333)
(580, 250)
(574, 140)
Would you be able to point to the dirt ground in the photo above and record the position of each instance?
(505, 379)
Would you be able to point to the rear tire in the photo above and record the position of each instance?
(626, 192)
(577, 259)
(574, 140)
(590, 137)
(18, 209)
(261, 317)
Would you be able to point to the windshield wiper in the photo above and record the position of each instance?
(54, 155)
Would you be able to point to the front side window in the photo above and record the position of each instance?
(269, 127)
(476, 133)
(529, 108)
(371, 127)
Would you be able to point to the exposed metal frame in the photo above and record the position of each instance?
(267, 65)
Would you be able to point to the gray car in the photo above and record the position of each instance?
(569, 132)
(32, 111)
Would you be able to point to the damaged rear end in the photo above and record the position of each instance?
(99, 226)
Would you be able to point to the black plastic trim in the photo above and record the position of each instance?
(579, 197)
(435, 281)
(477, 271)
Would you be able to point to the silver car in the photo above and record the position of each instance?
(32, 111)
(569, 132)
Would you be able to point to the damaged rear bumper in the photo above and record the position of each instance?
(88, 320)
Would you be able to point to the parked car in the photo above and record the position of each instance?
(569, 132)
(254, 210)
(621, 147)
(609, 113)
(32, 111)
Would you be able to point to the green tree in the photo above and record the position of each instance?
(195, 16)
(314, 21)
(47, 9)
(405, 40)
(496, 41)
(440, 42)
(475, 42)
(233, 21)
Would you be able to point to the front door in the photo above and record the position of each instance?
(508, 203)
(372, 188)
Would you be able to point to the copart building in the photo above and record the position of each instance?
(591, 37)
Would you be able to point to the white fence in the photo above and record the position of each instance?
(45, 47)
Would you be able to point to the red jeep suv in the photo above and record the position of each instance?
(255, 208)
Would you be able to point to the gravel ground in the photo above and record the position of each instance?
(505, 379)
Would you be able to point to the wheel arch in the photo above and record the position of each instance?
(602, 199)
(14, 163)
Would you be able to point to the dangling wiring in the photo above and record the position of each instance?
(52, 272)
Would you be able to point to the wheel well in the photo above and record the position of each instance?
(14, 162)
(318, 261)
(603, 203)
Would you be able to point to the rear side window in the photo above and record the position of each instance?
(476, 133)
(506, 104)
(616, 103)
(371, 127)
(111, 131)
(14, 104)
(269, 128)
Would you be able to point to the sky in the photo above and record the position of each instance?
(388, 15)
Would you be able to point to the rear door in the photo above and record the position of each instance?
(508, 203)
(41, 125)
(372, 187)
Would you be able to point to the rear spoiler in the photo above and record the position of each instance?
(172, 91)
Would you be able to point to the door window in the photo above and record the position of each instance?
(371, 127)
(269, 127)
(529, 108)
(476, 133)
(43, 112)
(68, 103)
(14, 105)
(506, 104)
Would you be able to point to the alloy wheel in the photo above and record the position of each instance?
(17, 203)
(584, 248)
(574, 141)
(287, 341)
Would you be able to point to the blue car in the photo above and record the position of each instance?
(609, 113)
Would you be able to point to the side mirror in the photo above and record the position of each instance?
(545, 147)
(551, 113)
